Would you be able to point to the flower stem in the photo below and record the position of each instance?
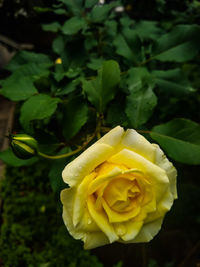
(66, 155)
(98, 127)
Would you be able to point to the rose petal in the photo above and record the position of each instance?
(67, 199)
(156, 175)
(137, 143)
(80, 199)
(84, 164)
(95, 184)
(91, 239)
(132, 229)
(112, 174)
(148, 231)
(101, 220)
(113, 137)
(95, 239)
(115, 217)
(162, 207)
(85, 225)
(162, 161)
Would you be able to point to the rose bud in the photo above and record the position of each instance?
(23, 146)
(121, 187)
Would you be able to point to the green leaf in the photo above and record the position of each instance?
(102, 90)
(37, 107)
(111, 27)
(40, 9)
(75, 116)
(20, 85)
(95, 63)
(136, 77)
(55, 173)
(24, 57)
(33, 70)
(172, 81)
(75, 6)
(140, 105)
(73, 25)
(90, 3)
(51, 27)
(180, 138)
(69, 88)
(60, 11)
(126, 22)
(18, 88)
(180, 45)
(58, 76)
(100, 13)
(8, 157)
(58, 45)
(128, 45)
(73, 72)
(147, 29)
(90, 42)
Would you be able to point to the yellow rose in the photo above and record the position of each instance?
(120, 189)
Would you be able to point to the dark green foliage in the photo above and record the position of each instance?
(33, 233)
(37, 107)
(10, 159)
(93, 37)
(102, 90)
(55, 173)
(180, 138)
(76, 115)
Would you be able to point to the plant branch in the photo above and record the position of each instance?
(66, 155)
(98, 127)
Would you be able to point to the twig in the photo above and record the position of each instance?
(14, 44)
(98, 127)
(66, 155)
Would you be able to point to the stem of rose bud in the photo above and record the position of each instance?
(66, 155)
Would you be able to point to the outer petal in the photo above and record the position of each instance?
(84, 164)
(132, 229)
(67, 199)
(91, 239)
(162, 207)
(113, 137)
(80, 200)
(148, 231)
(157, 176)
(86, 227)
(162, 161)
(137, 143)
(95, 239)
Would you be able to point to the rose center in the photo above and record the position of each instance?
(121, 194)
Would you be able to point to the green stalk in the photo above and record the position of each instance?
(66, 155)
